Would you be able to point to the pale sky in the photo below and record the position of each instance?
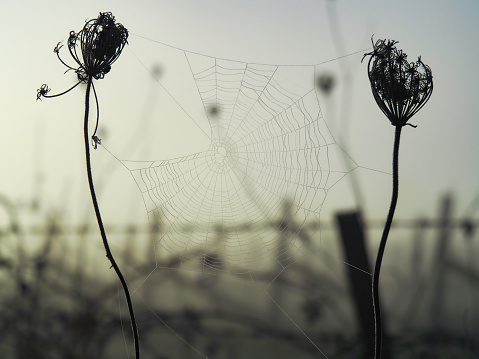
(45, 137)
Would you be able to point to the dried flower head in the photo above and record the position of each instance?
(100, 42)
(400, 88)
(95, 48)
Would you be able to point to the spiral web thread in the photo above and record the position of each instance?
(243, 204)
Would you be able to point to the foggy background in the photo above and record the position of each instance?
(43, 178)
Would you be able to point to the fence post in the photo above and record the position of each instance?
(445, 216)
(284, 226)
(360, 282)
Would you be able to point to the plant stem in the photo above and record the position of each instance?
(382, 246)
(109, 255)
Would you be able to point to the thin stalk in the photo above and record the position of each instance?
(64, 92)
(109, 255)
(382, 246)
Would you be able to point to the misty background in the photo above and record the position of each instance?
(43, 178)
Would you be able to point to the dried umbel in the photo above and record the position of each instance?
(100, 42)
(95, 48)
(400, 88)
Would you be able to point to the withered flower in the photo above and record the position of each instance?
(95, 48)
(100, 42)
(400, 88)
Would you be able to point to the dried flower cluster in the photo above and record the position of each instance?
(400, 88)
(100, 42)
(95, 48)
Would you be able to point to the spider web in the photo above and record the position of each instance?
(265, 173)
(247, 202)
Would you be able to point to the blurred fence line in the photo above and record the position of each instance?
(50, 304)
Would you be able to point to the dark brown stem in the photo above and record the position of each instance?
(382, 246)
(109, 255)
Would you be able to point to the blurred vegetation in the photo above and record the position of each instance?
(58, 302)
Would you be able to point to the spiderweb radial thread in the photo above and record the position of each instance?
(242, 204)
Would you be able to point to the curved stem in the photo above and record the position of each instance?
(382, 246)
(109, 255)
(59, 58)
(64, 92)
(97, 110)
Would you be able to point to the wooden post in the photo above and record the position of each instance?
(284, 227)
(359, 273)
(445, 216)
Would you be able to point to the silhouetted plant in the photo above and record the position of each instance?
(400, 89)
(95, 48)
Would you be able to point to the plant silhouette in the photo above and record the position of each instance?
(95, 48)
(400, 89)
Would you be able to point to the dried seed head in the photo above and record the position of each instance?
(400, 88)
(95, 48)
(100, 43)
